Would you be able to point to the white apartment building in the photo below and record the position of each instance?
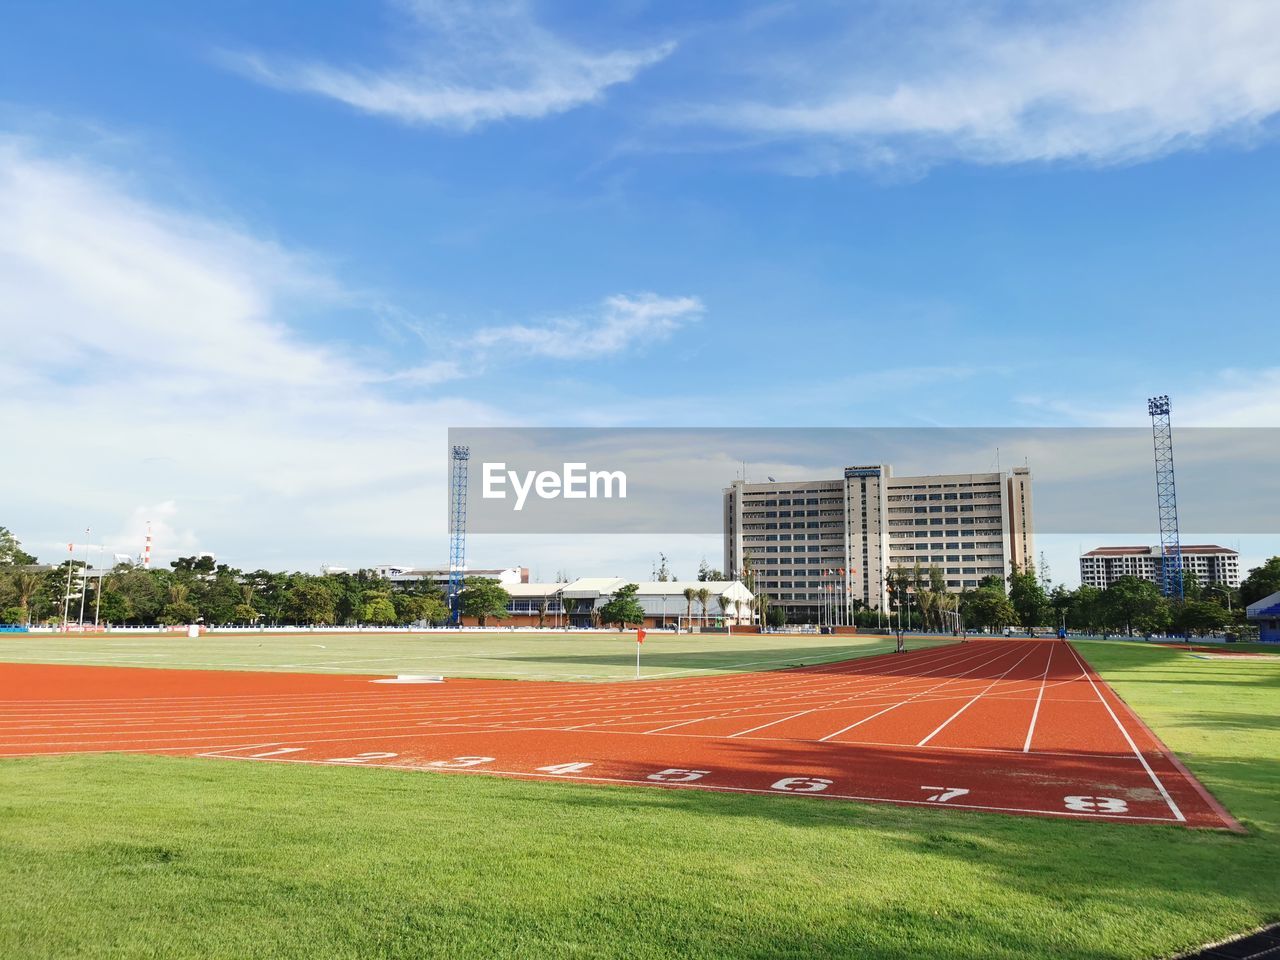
(1210, 563)
(809, 543)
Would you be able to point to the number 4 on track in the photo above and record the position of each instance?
(943, 794)
(562, 768)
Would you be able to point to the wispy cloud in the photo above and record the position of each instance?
(620, 322)
(1108, 83)
(473, 65)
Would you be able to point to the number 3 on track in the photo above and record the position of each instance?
(1096, 804)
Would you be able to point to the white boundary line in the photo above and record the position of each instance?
(700, 786)
(1133, 746)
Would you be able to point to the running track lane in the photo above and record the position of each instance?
(1011, 726)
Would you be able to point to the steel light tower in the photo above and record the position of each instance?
(457, 526)
(1166, 499)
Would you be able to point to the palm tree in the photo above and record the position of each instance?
(26, 584)
(690, 595)
(542, 612)
(725, 605)
(704, 598)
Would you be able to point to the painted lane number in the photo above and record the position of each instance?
(802, 784)
(1096, 804)
(459, 762)
(563, 768)
(364, 758)
(943, 794)
(676, 775)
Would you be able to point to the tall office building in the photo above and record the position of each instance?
(818, 545)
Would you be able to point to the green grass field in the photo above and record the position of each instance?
(132, 857)
(498, 654)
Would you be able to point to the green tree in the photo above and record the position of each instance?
(777, 617)
(482, 598)
(309, 601)
(11, 552)
(1133, 604)
(988, 607)
(245, 613)
(25, 586)
(1261, 582)
(704, 598)
(623, 607)
(1028, 598)
(1200, 617)
(707, 573)
(378, 610)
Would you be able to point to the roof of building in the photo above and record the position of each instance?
(588, 587)
(1264, 608)
(1155, 551)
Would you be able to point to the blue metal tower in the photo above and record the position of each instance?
(457, 526)
(1166, 499)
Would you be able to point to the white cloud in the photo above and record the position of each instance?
(474, 65)
(619, 323)
(1118, 82)
(151, 375)
(147, 363)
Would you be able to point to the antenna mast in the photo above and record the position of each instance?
(457, 526)
(1166, 499)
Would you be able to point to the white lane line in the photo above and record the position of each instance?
(1035, 714)
(942, 726)
(1133, 746)
(913, 697)
(834, 704)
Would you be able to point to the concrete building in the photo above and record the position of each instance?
(1210, 563)
(573, 604)
(822, 548)
(1265, 615)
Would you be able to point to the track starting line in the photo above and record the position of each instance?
(1008, 726)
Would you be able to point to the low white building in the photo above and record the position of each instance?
(663, 602)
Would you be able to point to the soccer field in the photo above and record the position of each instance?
(498, 654)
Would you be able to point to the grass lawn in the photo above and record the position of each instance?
(497, 654)
(131, 856)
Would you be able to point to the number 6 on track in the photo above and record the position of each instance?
(803, 784)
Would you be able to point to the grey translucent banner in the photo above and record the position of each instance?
(1084, 480)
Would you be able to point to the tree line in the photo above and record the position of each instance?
(197, 589)
(1027, 600)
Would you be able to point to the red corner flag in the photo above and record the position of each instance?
(639, 634)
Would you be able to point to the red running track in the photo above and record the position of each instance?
(1012, 726)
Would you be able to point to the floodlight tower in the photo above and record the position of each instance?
(1166, 499)
(457, 526)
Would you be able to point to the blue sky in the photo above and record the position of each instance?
(259, 257)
